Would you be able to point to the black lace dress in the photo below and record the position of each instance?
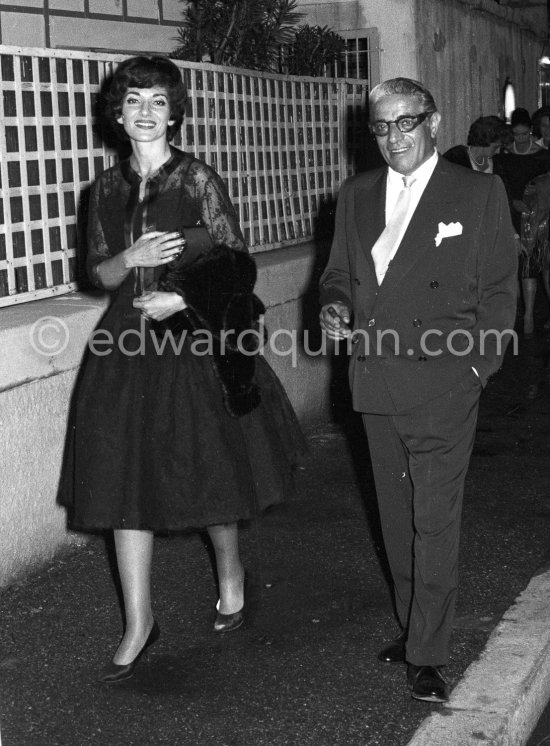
(151, 445)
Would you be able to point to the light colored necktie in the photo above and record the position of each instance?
(383, 250)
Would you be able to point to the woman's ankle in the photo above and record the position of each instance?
(232, 593)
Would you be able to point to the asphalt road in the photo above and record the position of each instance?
(303, 668)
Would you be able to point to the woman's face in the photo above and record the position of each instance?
(145, 114)
(521, 133)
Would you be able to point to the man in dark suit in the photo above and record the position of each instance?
(421, 281)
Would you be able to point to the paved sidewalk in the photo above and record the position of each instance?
(502, 695)
(303, 669)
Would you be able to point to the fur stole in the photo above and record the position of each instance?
(218, 287)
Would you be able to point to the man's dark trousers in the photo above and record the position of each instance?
(419, 460)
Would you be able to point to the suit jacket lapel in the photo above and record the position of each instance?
(370, 220)
(421, 231)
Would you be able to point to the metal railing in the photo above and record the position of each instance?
(282, 144)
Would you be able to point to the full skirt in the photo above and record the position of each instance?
(151, 445)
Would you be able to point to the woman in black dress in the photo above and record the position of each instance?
(169, 432)
(523, 161)
(485, 138)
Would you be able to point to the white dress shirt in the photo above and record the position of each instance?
(394, 185)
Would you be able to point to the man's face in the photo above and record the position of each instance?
(405, 151)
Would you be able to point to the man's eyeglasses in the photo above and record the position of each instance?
(406, 123)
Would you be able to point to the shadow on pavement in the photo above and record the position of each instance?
(303, 668)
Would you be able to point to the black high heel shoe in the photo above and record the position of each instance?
(229, 622)
(112, 672)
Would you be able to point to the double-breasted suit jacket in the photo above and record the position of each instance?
(443, 305)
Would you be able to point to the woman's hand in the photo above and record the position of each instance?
(153, 249)
(158, 305)
(520, 247)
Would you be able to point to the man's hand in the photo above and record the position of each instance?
(335, 319)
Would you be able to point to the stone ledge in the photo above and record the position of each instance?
(49, 336)
(46, 337)
(287, 274)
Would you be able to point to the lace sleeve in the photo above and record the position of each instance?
(217, 213)
(98, 250)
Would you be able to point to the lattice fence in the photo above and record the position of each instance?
(282, 144)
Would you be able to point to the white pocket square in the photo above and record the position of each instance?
(447, 231)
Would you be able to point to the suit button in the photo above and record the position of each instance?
(371, 322)
(417, 322)
(434, 284)
(354, 339)
(357, 281)
(422, 358)
(361, 358)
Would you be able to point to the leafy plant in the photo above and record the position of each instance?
(238, 33)
(313, 50)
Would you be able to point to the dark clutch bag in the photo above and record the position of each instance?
(197, 242)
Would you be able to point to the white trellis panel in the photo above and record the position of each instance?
(282, 144)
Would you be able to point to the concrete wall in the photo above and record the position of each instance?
(466, 49)
(397, 39)
(45, 341)
(96, 25)
(35, 389)
(463, 50)
(32, 421)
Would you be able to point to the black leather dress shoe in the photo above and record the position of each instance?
(395, 651)
(427, 683)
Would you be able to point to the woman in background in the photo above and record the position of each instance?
(520, 164)
(541, 126)
(541, 131)
(485, 138)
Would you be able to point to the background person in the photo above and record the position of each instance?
(541, 126)
(419, 245)
(541, 130)
(485, 138)
(165, 442)
(523, 142)
(522, 163)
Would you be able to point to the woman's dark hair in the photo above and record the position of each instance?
(487, 130)
(147, 72)
(539, 114)
(520, 116)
